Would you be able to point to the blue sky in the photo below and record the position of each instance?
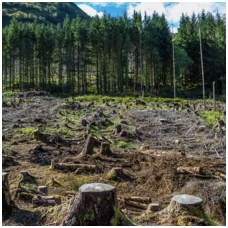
(172, 10)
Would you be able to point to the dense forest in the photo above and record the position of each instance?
(115, 54)
(42, 12)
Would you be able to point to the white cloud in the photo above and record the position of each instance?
(99, 3)
(174, 11)
(89, 10)
(148, 7)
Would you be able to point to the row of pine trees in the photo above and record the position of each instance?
(114, 54)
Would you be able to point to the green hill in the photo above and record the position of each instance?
(44, 12)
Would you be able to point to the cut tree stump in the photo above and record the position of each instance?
(123, 133)
(24, 175)
(105, 149)
(116, 173)
(118, 129)
(38, 147)
(186, 170)
(153, 207)
(43, 189)
(96, 205)
(6, 197)
(184, 203)
(89, 145)
(84, 122)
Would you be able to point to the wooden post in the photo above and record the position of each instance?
(214, 95)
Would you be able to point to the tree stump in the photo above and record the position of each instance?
(24, 175)
(113, 111)
(123, 133)
(96, 205)
(89, 145)
(38, 147)
(37, 134)
(6, 197)
(116, 173)
(84, 122)
(105, 149)
(185, 203)
(43, 189)
(118, 129)
(153, 207)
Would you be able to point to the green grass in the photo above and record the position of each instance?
(123, 144)
(26, 131)
(5, 149)
(8, 94)
(100, 98)
(210, 117)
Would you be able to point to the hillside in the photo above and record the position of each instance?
(44, 12)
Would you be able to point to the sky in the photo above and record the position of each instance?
(172, 10)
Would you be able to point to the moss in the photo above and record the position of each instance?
(89, 213)
(25, 196)
(111, 175)
(119, 218)
(199, 213)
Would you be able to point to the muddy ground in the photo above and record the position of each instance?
(158, 139)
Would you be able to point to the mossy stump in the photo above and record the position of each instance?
(116, 173)
(6, 197)
(26, 177)
(105, 149)
(95, 205)
(185, 203)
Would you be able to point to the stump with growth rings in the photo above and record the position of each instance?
(96, 205)
(185, 203)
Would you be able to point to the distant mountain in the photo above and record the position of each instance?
(44, 12)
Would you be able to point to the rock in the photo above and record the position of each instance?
(96, 205)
